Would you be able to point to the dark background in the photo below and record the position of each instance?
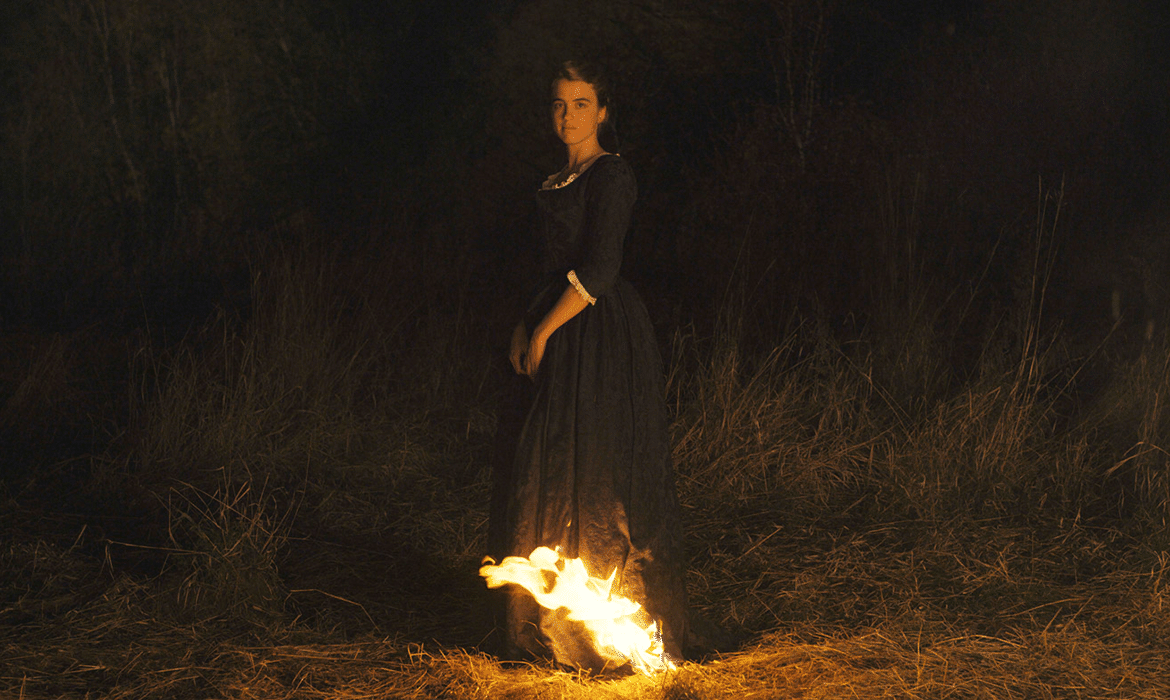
(144, 142)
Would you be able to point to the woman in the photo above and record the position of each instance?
(592, 474)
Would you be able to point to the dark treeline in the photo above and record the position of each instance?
(802, 146)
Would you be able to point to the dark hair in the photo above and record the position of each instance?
(588, 72)
(591, 73)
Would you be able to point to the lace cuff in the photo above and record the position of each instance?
(580, 287)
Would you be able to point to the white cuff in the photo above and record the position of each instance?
(580, 288)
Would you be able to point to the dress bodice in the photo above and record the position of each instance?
(583, 224)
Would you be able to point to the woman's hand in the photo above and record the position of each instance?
(534, 354)
(518, 348)
(527, 360)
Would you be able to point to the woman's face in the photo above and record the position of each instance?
(575, 113)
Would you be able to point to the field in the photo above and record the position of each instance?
(289, 501)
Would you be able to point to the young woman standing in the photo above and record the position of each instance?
(592, 474)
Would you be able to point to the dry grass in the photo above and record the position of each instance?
(293, 506)
(976, 611)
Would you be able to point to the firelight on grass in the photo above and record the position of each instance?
(610, 620)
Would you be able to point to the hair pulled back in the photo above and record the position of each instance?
(589, 72)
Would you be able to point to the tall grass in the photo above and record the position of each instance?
(335, 408)
(1134, 419)
(310, 472)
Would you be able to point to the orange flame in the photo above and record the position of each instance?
(558, 583)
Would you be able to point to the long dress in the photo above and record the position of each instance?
(592, 474)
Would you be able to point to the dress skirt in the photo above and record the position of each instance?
(592, 475)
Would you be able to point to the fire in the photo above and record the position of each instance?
(611, 620)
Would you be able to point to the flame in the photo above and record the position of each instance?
(558, 583)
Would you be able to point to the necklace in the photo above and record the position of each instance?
(552, 184)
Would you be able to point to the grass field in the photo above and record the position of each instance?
(289, 500)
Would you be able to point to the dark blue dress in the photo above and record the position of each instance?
(592, 474)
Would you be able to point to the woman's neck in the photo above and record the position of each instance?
(581, 155)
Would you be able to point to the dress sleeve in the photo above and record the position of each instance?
(609, 202)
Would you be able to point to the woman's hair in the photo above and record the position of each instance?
(578, 69)
(588, 72)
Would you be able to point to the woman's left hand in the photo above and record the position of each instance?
(535, 353)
